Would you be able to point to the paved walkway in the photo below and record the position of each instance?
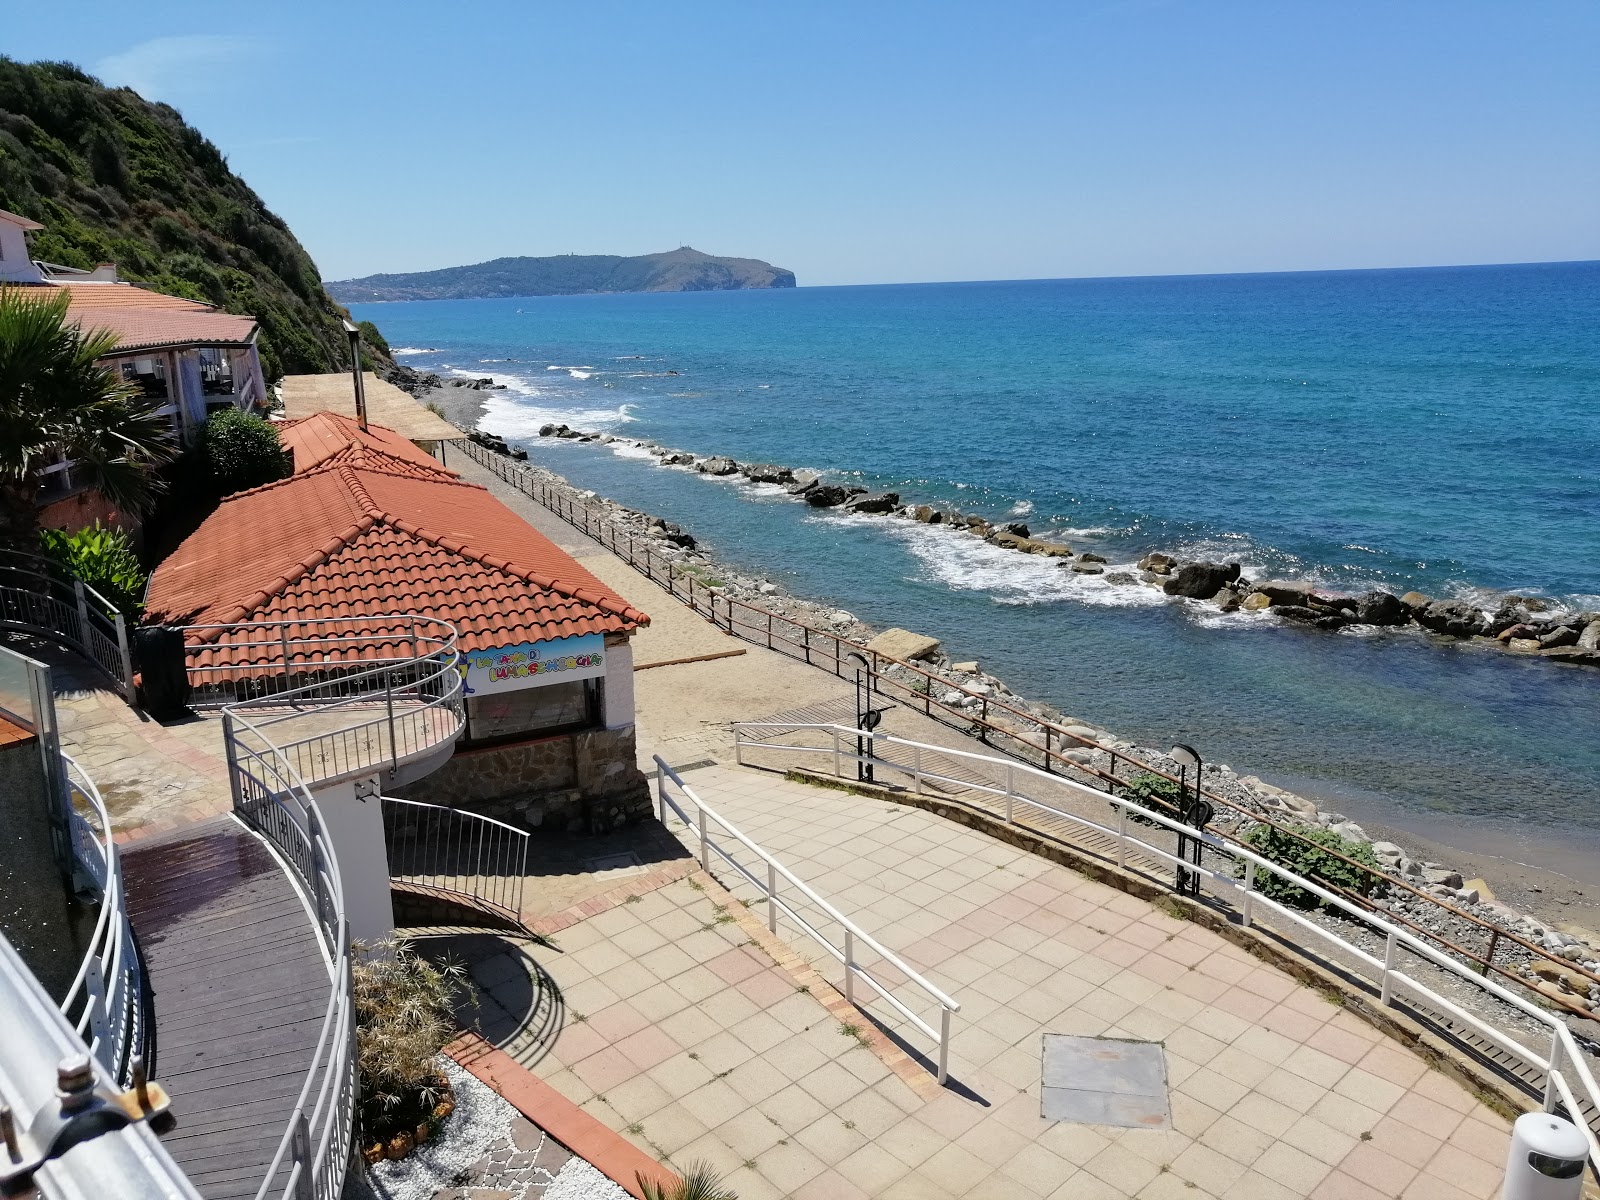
(698, 1046)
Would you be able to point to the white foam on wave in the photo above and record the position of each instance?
(1021, 508)
(413, 350)
(510, 415)
(559, 367)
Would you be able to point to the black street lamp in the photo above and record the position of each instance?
(1193, 810)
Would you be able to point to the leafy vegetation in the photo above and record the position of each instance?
(1154, 792)
(403, 1021)
(699, 1182)
(115, 178)
(242, 451)
(55, 401)
(1307, 854)
(102, 558)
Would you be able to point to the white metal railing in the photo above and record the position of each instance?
(39, 596)
(270, 796)
(853, 935)
(335, 696)
(105, 1004)
(463, 855)
(1569, 1081)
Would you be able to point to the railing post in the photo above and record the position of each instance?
(705, 842)
(850, 965)
(1010, 795)
(1390, 945)
(126, 653)
(232, 752)
(1552, 1094)
(314, 837)
(99, 1024)
(300, 1152)
(738, 745)
(283, 635)
(944, 1045)
(838, 773)
(807, 640)
(1122, 837)
(394, 745)
(661, 794)
(772, 897)
(83, 614)
(1248, 904)
(916, 769)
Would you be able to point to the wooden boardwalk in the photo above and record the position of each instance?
(240, 987)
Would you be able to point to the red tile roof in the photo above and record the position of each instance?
(332, 439)
(344, 541)
(144, 319)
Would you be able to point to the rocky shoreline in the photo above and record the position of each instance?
(969, 684)
(1525, 625)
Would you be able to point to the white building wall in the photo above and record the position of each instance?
(15, 266)
(619, 685)
(355, 827)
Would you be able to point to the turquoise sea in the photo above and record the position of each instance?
(1435, 429)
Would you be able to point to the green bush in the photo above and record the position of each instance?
(104, 559)
(1155, 792)
(243, 451)
(1307, 854)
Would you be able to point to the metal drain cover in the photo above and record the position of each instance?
(1105, 1081)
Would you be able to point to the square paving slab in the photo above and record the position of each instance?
(1105, 1081)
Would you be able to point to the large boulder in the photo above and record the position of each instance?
(1017, 527)
(677, 458)
(717, 465)
(1561, 635)
(1381, 608)
(1454, 617)
(886, 503)
(1281, 592)
(1304, 614)
(1201, 580)
(1416, 602)
(767, 473)
(1589, 639)
(1156, 563)
(927, 514)
(903, 645)
(1056, 550)
(804, 481)
(825, 495)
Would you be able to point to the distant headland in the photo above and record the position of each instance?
(681, 270)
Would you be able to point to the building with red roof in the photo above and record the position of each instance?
(369, 527)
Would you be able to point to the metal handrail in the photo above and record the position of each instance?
(40, 596)
(273, 796)
(1564, 1062)
(104, 1004)
(980, 715)
(461, 854)
(853, 933)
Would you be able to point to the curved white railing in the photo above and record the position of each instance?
(1569, 1082)
(272, 794)
(38, 595)
(853, 933)
(105, 1004)
(462, 855)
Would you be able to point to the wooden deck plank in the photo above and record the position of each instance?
(240, 987)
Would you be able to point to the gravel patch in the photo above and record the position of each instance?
(580, 1181)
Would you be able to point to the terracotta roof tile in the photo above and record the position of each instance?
(332, 439)
(342, 541)
(142, 319)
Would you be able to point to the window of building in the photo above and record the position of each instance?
(534, 712)
(149, 373)
(216, 371)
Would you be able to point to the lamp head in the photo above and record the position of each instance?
(1185, 756)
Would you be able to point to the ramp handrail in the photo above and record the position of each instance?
(461, 854)
(105, 1003)
(853, 933)
(40, 596)
(1566, 1072)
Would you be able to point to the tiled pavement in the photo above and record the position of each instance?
(698, 1047)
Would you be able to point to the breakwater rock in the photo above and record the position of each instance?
(1518, 624)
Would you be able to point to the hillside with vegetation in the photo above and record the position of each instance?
(680, 270)
(116, 178)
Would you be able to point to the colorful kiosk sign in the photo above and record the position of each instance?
(534, 664)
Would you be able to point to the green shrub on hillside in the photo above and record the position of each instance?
(1307, 854)
(102, 558)
(1155, 792)
(242, 451)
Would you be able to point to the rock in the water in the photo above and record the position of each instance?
(927, 514)
(1087, 556)
(1256, 601)
(1454, 617)
(1016, 527)
(1201, 580)
(1159, 564)
(1305, 615)
(1416, 602)
(1228, 600)
(1561, 635)
(903, 644)
(1523, 645)
(1049, 549)
(546, 430)
(717, 465)
(1280, 592)
(804, 481)
(964, 668)
(826, 495)
(1381, 608)
(1087, 568)
(1589, 639)
(887, 502)
(767, 473)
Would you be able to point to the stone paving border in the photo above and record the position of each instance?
(610, 1153)
(1298, 963)
(911, 1072)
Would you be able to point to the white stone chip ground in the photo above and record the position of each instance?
(480, 1121)
(580, 1181)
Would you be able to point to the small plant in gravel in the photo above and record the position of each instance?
(403, 1020)
(1308, 854)
(1155, 792)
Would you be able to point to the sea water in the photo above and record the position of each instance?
(1433, 429)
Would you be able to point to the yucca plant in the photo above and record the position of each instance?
(403, 1020)
(699, 1182)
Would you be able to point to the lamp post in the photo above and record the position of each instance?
(867, 717)
(1192, 810)
(354, 335)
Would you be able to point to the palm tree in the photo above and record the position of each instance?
(699, 1182)
(56, 400)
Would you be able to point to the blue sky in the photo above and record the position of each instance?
(886, 142)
